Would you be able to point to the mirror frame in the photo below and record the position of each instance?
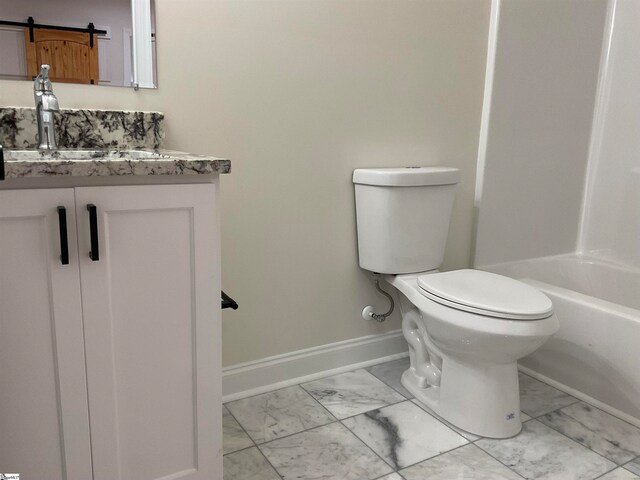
(142, 45)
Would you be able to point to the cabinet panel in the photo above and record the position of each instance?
(43, 401)
(151, 316)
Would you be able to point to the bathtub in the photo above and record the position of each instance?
(596, 353)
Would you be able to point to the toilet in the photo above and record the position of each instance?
(466, 329)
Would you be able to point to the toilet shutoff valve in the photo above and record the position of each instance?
(368, 311)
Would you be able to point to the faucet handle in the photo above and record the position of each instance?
(44, 71)
(42, 82)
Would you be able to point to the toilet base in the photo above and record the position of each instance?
(480, 399)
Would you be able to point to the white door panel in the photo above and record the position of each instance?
(43, 400)
(151, 331)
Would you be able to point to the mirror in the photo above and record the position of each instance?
(100, 42)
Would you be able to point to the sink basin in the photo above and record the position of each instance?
(77, 155)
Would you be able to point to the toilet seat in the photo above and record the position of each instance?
(486, 294)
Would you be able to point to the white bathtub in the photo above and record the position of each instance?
(597, 350)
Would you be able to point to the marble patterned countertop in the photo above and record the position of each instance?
(100, 163)
(96, 143)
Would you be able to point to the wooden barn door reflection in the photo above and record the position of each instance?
(72, 56)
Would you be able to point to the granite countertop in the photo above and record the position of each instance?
(96, 143)
(114, 162)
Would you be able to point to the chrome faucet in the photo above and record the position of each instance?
(46, 104)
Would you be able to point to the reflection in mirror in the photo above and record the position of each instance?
(121, 51)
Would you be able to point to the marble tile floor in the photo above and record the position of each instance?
(362, 425)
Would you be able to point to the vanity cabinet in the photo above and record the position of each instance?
(110, 363)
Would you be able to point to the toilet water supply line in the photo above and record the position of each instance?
(368, 313)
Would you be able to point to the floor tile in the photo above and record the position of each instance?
(403, 434)
(330, 452)
(605, 434)
(541, 453)
(277, 414)
(524, 417)
(352, 393)
(634, 466)
(620, 474)
(391, 476)
(248, 464)
(468, 463)
(391, 373)
(537, 398)
(233, 437)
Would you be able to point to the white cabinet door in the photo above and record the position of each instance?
(151, 307)
(44, 429)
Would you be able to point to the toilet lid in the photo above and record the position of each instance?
(487, 294)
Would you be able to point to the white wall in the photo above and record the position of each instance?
(298, 94)
(545, 77)
(115, 14)
(612, 208)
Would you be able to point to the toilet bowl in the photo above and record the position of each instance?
(466, 329)
(464, 352)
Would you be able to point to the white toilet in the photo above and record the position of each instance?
(466, 329)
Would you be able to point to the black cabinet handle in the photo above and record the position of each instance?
(64, 240)
(94, 254)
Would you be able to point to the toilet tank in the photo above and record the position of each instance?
(403, 217)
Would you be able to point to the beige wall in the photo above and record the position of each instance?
(298, 93)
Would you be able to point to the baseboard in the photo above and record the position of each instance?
(581, 396)
(252, 378)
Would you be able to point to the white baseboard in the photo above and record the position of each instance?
(581, 396)
(252, 378)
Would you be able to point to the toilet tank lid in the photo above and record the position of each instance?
(406, 176)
